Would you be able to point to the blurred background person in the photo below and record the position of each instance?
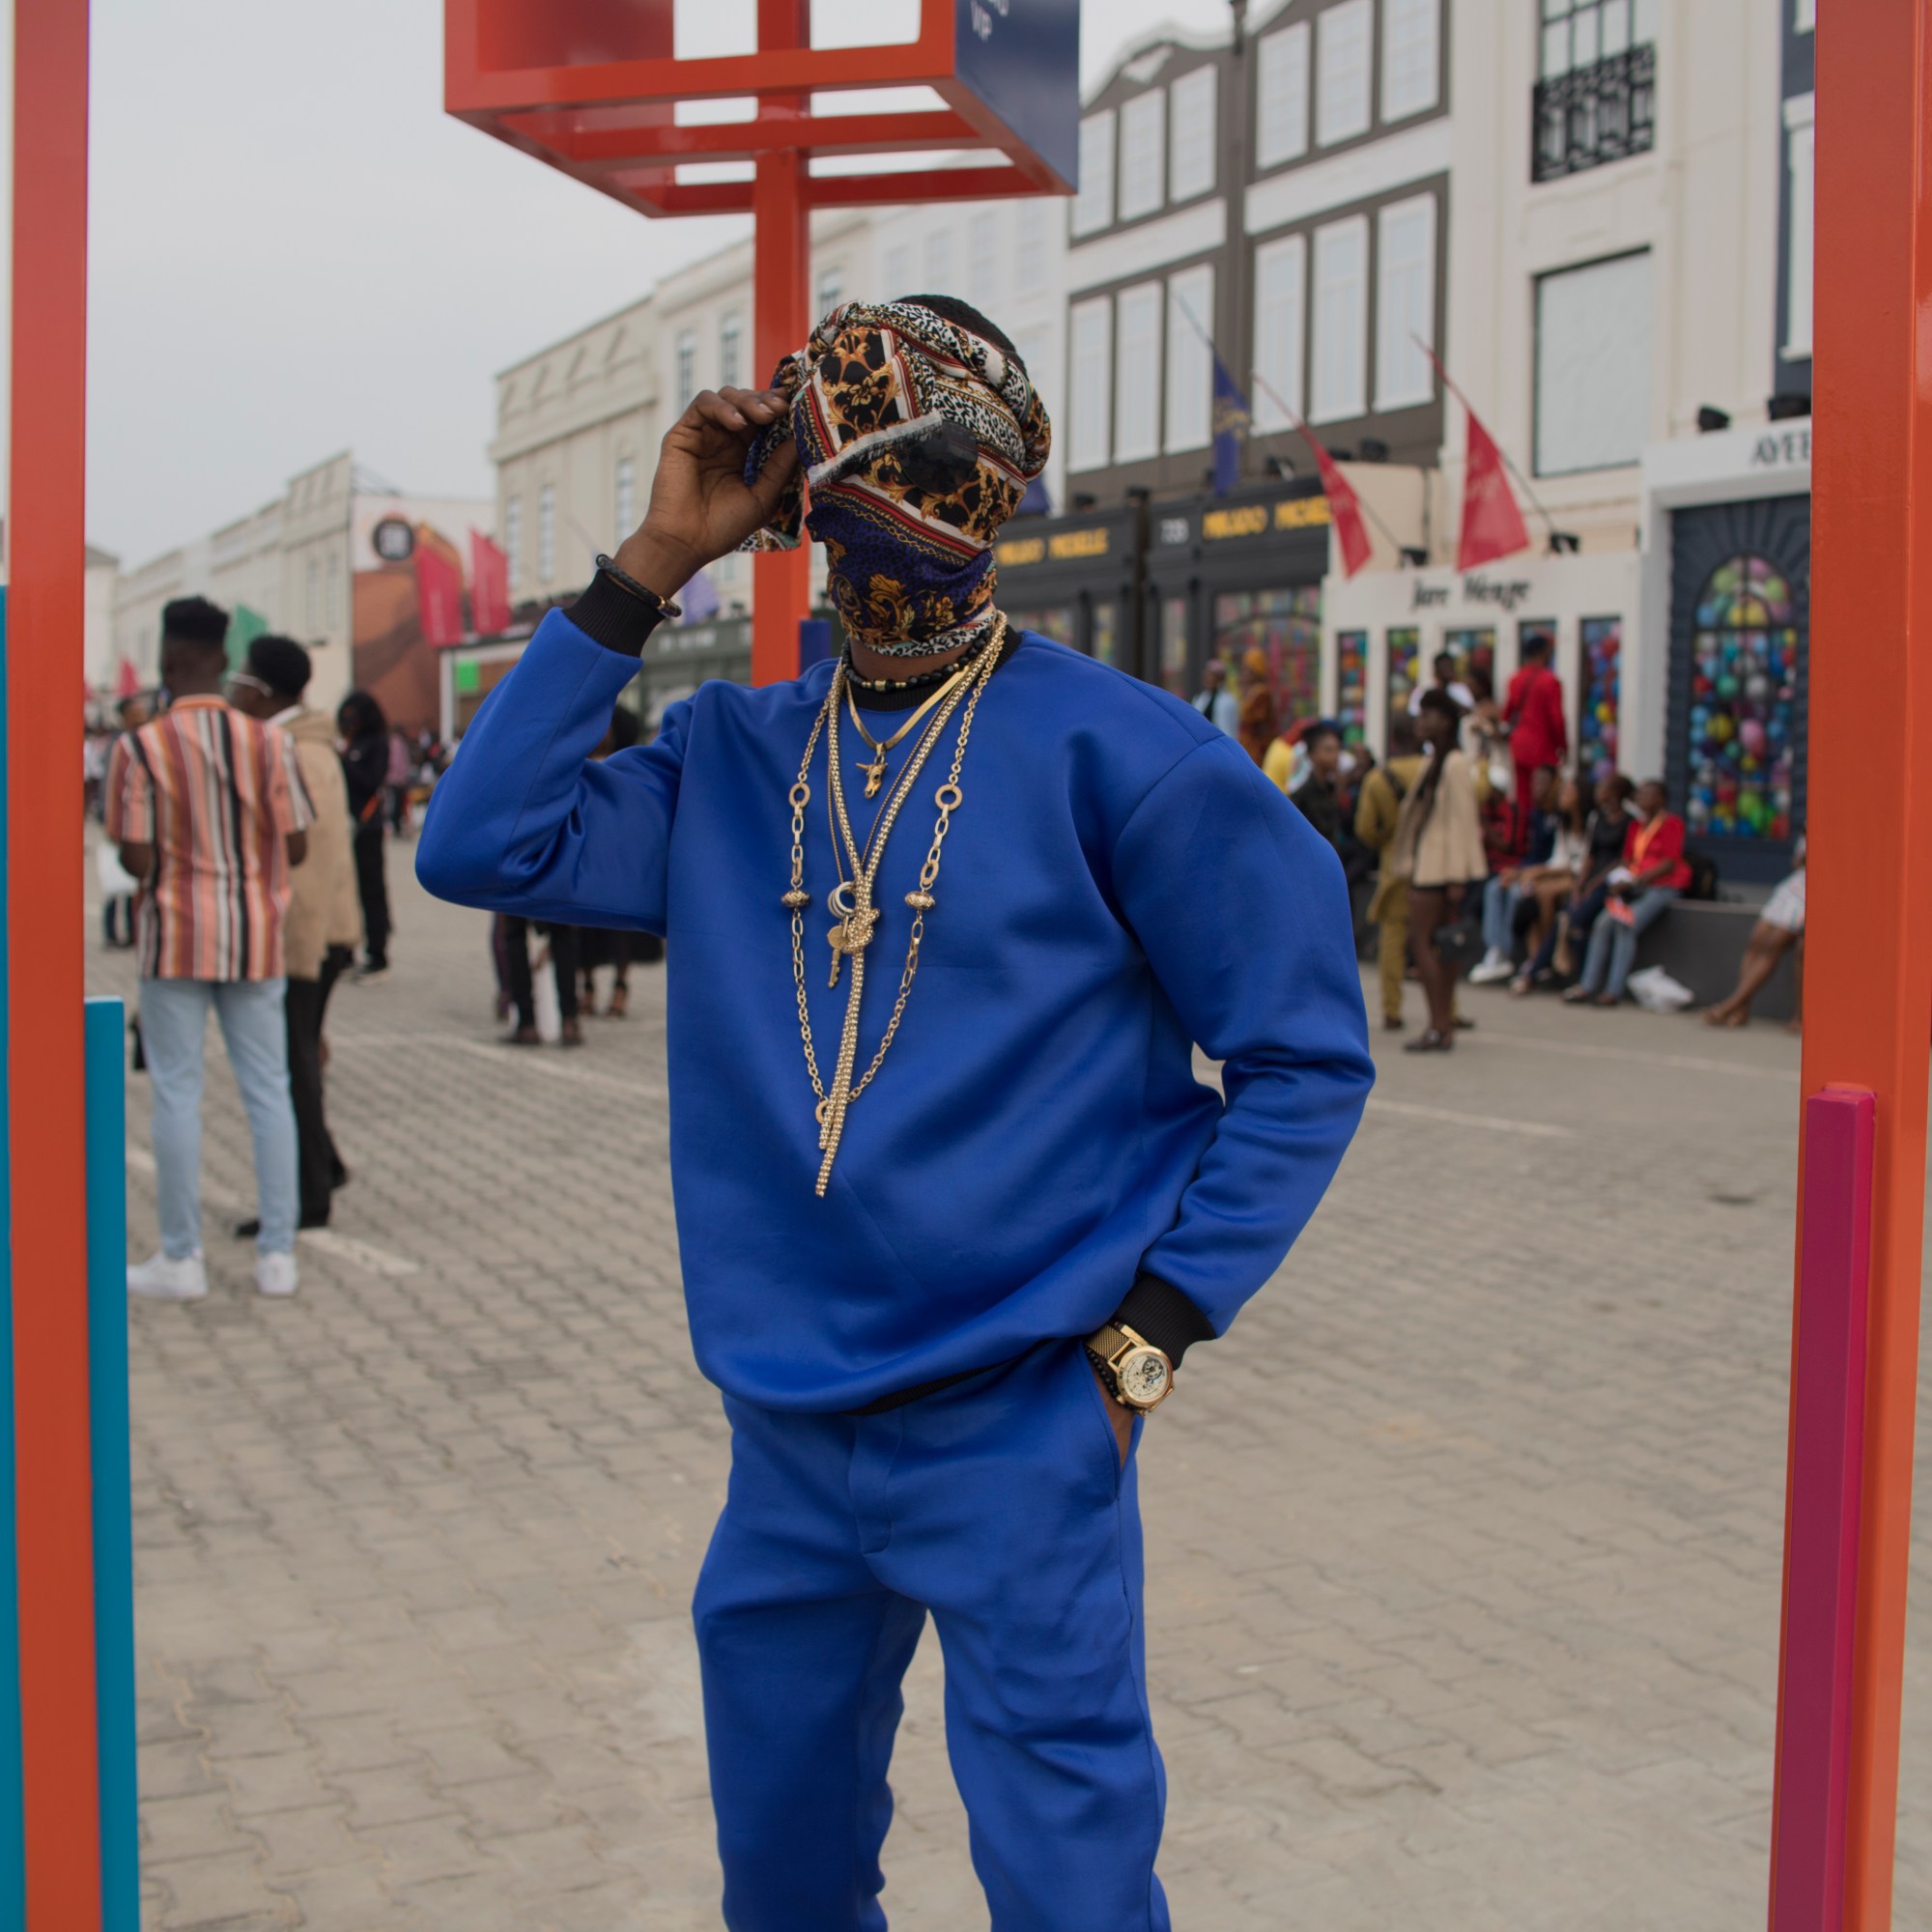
(1438, 849)
(1533, 720)
(1261, 723)
(323, 923)
(1377, 811)
(1606, 833)
(1640, 893)
(1779, 929)
(365, 763)
(1214, 701)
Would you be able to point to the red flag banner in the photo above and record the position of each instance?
(438, 596)
(1492, 524)
(489, 586)
(1344, 509)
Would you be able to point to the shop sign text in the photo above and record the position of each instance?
(1254, 519)
(1781, 449)
(1506, 593)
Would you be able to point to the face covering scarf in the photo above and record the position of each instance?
(917, 439)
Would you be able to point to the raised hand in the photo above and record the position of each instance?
(701, 507)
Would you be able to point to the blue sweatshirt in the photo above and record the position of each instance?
(1119, 882)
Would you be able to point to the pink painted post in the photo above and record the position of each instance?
(1827, 1467)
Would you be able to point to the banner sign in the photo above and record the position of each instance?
(1022, 58)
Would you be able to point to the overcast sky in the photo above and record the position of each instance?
(296, 251)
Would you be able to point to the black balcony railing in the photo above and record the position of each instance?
(1595, 114)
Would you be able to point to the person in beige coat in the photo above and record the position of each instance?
(1438, 849)
(325, 919)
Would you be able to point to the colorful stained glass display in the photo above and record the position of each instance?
(1174, 675)
(1405, 670)
(1352, 684)
(1284, 629)
(1744, 689)
(1603, 692)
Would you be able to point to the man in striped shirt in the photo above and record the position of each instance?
(209, 812)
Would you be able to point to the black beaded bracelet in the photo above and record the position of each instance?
(624, 581)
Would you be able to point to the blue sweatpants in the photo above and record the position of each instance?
(1000, 1506)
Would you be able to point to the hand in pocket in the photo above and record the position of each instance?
(1120, 1416)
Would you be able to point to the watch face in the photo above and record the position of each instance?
(1145, 1377)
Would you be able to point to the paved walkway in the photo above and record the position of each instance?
(1463, 1564)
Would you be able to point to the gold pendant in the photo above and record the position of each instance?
(875, 775)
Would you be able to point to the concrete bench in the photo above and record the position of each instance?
(1702, 944)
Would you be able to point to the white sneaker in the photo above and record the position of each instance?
(276, 1274)
(164, 1278)
(1493, 969)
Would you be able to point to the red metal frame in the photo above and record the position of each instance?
(47, 1141)
(1868, 966)
(550, 80)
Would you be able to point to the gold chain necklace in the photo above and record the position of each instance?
(852, 901)
(875, 772)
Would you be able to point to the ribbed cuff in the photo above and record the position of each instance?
(1158, 1312)
(608, 614)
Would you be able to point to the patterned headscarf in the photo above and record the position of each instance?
(918, 436)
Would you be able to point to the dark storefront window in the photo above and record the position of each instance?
(1602, 671)
(1405, 670)
(1058, 621)
(1352, 684)
(1174, 671)
(1105, 642)
(1744, 694)
(1282, 628)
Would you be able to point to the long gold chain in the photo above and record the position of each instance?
(852, 901)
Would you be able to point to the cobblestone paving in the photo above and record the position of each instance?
(1463, 1562)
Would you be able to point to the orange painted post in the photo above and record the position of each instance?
(46, 1138)
(782, 316)
(1868, 966)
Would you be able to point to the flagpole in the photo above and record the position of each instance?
(1509, 463)
(1301, 428)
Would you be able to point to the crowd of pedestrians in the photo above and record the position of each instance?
(1477, 853)
(239, 826)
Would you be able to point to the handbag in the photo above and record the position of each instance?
(1458, 945)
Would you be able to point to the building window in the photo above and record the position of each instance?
(1094, 204)
(1030, 244)
(1340, 378)
(331, 593)
(1603, 695)
(1799, 156)
(1190, 362)
(1285, 628)
(1593, 365)
(898, 272)
(1743, 702)
(1405, 302)
(1411, 56)
(1190, 161)
(1281, 109)
(1143, 153)
(627, 497)
(687, 369)
(982, 259)
(1805, 17)
(1342, 70)
(1091, 325)
(1137, 375)
(311, 603)
(732, 350)
(546, 533)
(1597, 98)
(831, 288)
(513, 538)
(939, 261)
(1405, 675)
(1281, 302)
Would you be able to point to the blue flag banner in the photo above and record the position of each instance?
(1231, 425)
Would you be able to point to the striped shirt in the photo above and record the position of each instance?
(216, 794)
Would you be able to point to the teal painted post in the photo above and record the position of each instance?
(113, 1519)
(12, 1824)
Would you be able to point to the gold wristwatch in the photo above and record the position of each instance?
(1137, 1374)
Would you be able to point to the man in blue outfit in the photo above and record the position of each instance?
(951, 1201)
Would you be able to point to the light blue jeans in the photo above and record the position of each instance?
(1614, 944)
(1499, 905)
(174, 1024)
